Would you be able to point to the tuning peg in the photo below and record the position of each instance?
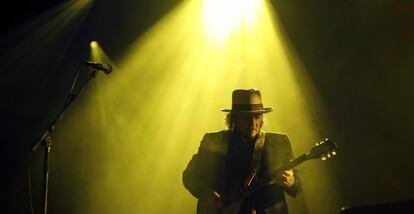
(323, 157)
(317, 144)
(328, 155)
(333, 153)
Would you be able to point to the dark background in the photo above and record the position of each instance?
(359, 54)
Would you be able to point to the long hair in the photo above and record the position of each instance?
(229, 120)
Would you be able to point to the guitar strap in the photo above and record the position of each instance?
(257, 157)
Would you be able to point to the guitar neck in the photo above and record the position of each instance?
(320, 150)
(293, 163)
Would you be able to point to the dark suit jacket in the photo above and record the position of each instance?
(204, 173)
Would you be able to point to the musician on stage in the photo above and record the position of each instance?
(231, 162)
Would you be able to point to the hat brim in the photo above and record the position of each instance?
(262, 111)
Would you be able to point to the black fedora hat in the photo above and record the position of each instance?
(247, 101)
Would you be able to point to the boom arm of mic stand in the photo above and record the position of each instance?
(69, 100)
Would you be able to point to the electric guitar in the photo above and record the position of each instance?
(231, 205)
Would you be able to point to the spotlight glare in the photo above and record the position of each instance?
(94, 44)
(221, 17)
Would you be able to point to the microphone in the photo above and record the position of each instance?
(100, 66)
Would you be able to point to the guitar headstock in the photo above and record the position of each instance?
(324, 149)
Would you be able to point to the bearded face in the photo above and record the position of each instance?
(248, 125)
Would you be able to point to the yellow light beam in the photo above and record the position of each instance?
(47, 33)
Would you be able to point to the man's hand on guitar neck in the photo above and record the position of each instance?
(285, 178)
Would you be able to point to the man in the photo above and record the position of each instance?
(231, 162)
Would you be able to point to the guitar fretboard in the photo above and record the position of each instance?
(293, 163)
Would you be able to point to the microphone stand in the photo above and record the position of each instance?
(46, 140)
